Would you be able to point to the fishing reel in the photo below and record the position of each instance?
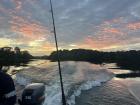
(33, 94)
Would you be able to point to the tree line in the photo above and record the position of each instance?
(12, 56)
(124, 59)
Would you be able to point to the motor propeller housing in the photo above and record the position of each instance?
(33, 94)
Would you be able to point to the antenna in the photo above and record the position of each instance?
(58, 56)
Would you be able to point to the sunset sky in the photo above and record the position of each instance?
(107, 25)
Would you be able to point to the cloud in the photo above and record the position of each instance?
(18, 4)
(134, 26)
(91, 43)
(95, 24)
(113, 34)
(29, 30)
(5, 42)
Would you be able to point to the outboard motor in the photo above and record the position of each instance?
(33, 94)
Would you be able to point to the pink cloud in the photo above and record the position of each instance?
(113, 31)
(29, 30)
(133, 26)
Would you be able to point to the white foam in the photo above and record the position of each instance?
(22, 79)
(85, 86)
(53, 93)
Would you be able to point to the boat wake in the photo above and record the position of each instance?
(77, 76)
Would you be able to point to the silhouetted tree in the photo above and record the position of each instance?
(124, 59)
(10, 57)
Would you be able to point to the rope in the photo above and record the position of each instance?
(58, 56)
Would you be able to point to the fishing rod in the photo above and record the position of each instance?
(58, 56)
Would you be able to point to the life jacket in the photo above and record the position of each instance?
(7, 90)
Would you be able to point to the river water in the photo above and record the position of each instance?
(84, 83)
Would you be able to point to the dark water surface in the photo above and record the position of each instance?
(113, 92)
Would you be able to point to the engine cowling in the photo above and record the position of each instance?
(33, 94)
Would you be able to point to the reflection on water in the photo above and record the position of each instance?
(112, 67)
(122, 73)
(115, 69)
(34, 63)
(129, 75)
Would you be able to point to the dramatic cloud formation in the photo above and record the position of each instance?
(90, 24)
